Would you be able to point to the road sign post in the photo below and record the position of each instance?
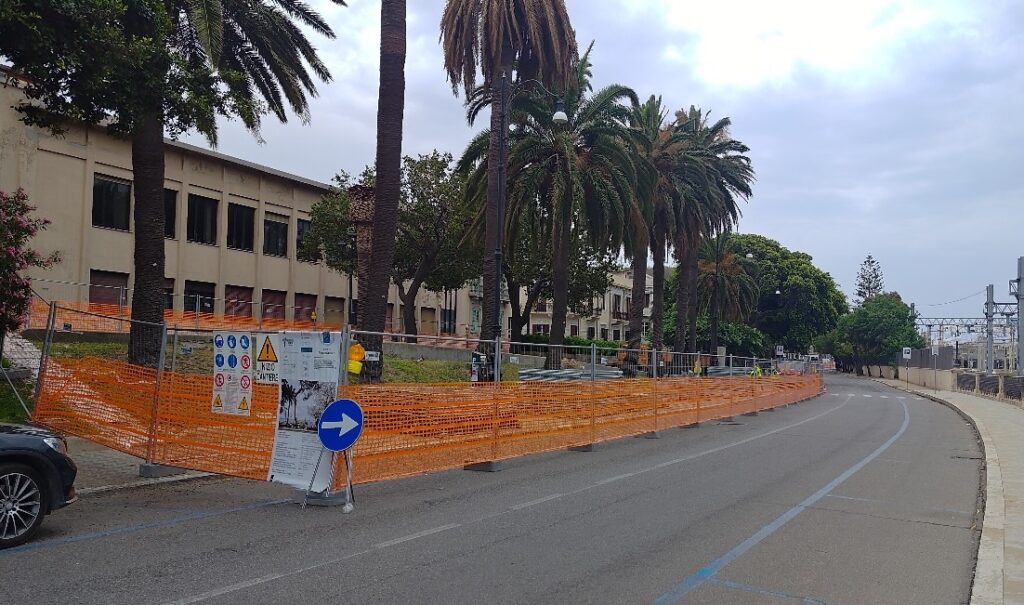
(907, 354)
(338, 428)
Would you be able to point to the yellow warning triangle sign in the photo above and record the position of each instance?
(267, 352)
(244, 405)
(217, 403)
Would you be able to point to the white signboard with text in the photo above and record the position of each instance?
(308, 368)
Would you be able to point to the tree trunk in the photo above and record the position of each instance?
(560, 298)
(390, 113)
(409, 312)
(658, 302)
(715, 313)
(516, 317)
(494, 223)
(146, 339)
(682, 297)
(691, 278)
(636, 303)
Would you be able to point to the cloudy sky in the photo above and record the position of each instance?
(890, 127)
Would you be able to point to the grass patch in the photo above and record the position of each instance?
(199, 360)
(10, 409)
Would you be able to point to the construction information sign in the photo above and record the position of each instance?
(267, 359)
(232, 373)
(309, 368)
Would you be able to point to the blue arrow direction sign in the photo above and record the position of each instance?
(340, 425)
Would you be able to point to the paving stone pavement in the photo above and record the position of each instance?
(103, 469)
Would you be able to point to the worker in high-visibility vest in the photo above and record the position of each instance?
(757, 372)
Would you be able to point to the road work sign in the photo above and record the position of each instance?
(340, 425)
(267, 359)
(232, 373)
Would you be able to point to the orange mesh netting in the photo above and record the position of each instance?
(409, 428)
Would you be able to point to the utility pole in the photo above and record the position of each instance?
(990, 313)
(1017, 289)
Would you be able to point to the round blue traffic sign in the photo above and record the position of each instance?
(219, 360)
(244, 342)
(218, 341)
(340, 425)
(232, 361)
(231, 341)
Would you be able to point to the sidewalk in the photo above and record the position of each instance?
(102, 469)
(999, 578)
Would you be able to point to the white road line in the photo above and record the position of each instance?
(866, 395)
(205, 596)
(419, 534)
(884, 396)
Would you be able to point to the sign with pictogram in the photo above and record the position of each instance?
(267, 360)
(232, 373)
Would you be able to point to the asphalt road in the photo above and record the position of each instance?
(861, 496)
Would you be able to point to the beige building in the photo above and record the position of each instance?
(233, 234)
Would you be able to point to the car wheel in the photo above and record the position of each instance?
(23, 501)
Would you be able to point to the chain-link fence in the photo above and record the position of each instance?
(429, 405)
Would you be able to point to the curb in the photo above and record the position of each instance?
(102, 489)
(987, 587)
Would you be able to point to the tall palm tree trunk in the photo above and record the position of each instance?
(691, 292)
(716, 304)
(636, 303)
(658, 296)
(146, 339)
(560, 294)
(390, 113)
(682, 297)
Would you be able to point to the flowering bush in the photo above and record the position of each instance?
(17, 227)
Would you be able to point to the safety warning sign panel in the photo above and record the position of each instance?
(232, 373)
(267, 359)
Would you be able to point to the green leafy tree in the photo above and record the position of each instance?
(534, 37)
(873, 333)
(798, 301)
(17, 228)
(727, 290)
(144, 67)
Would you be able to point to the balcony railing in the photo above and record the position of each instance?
(623, 315)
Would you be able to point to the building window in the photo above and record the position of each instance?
(202, 219)
(238, 301)
(108, 288)
(574, 330)
(302, 227)
(542, 328)
(617, 335)
(616, 302)
(199, 296)
(170, 212)
(334, 311)
(111, 202)
(448, 321)
(305, 307)
(275, 235)
(591, 333)
(273, 304)
(604, 333)
(169, 293)
(241, 228)
(647, 300)
(542, 306)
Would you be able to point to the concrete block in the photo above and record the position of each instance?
(694, 425)
(155, 471)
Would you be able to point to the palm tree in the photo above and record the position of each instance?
(264, 61)
(727, 287)
(712, 173)
(390, 113)
(581, 175)
(537, 38)
(659, 147)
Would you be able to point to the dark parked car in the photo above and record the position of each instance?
(36, 478)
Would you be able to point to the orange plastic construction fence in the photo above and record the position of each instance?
(410, 428)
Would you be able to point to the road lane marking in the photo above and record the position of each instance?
(866, 395)
(417, 535)
(768, 592)
(704, 574)
(217, 592)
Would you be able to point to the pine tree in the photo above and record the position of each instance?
(870, 282)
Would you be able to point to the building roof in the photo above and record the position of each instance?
(251, 165)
